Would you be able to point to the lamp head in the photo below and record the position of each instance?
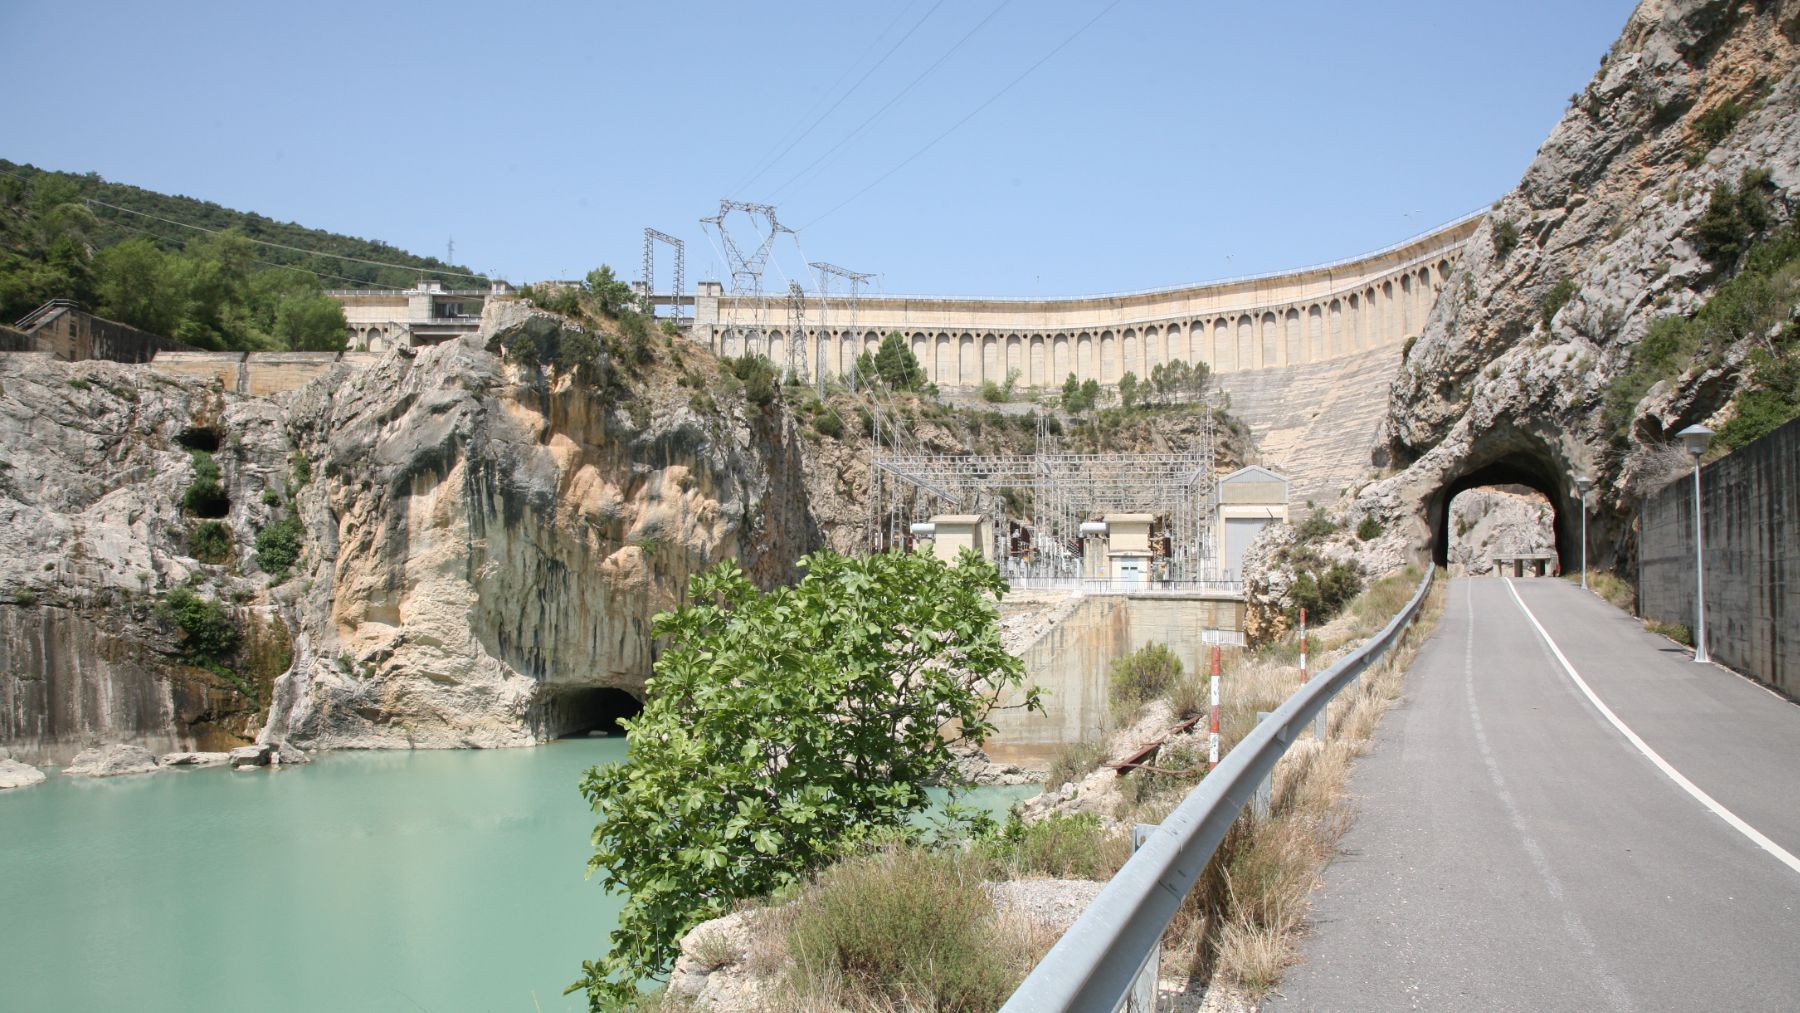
(1694, 439)
(1583, 484)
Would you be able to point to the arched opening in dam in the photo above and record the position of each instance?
(561, 712)
(1513, 482)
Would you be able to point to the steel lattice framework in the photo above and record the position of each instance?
(747, 269)
(796, 336)
(651, 238)
(1037, 502)
(827, 271)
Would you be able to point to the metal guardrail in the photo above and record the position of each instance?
(1092, 968)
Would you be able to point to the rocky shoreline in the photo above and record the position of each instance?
(119, 759)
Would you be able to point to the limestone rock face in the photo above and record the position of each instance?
(1498, 520)
(1497, 386)
(14, 774)
(111, 761)
(195, 759)
(93, 468)
(493, 542)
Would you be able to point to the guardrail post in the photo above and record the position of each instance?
(1265, 789)
(1319, 721)
(1142, 996)
(1100, 963)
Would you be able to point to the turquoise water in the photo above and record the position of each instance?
(431, 880)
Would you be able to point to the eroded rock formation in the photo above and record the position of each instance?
(95, 459)
(1498, 520)
(1563, 280)
(492, 541)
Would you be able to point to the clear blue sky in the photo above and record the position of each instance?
(1168, 142)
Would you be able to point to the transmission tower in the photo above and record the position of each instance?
(747, 270)
(796, 343)
(826, 273)
(651, 238)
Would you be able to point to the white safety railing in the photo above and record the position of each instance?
(1094, 966)
(1107, 586)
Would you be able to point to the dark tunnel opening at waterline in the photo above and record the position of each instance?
(562, 712)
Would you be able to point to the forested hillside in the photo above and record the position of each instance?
(184, 268)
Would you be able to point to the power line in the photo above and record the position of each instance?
(283, 246)
(890, 102)
(260, 242)
(321, 275)
(972, 114)
(769, 163)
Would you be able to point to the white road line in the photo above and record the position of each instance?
(1756, 836)
(1616, 994)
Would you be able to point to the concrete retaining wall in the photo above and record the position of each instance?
(1072, 662)
(1751, 503)
(261, 374)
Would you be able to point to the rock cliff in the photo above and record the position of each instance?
(1614, 226)
(493, 537)
(481, 541)
(95, 461)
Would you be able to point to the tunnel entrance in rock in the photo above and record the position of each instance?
(1524, 485)
(562, 712)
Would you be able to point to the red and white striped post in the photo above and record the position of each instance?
(1303, 644)
(1212, 740)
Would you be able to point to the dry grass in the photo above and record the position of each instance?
(1674, 631)
(1060, 846)
(906, 928)
(1610, 586)
(713, 950)
(1074, 762)
(1242, 922)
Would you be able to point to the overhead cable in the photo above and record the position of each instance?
(890, 102)
(769, 163)
(972, 114)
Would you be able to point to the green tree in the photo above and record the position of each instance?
(610, 293)
(1071, 395)
(894, 365)
(782, 727)
(1090, 394)
(1128, 389)
(310, 323)
(134, 286)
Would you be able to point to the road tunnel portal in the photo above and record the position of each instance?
(1520, 474)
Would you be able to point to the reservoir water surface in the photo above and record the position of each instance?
(443, 881)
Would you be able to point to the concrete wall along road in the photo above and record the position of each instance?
(1751, 504)
(260, 374)
(1072, 663)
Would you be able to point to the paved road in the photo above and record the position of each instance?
(1513, 850)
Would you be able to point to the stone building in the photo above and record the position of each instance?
(1250, 499)
(66, 331)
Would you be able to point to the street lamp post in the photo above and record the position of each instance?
(1694, 439)
(1582, 485)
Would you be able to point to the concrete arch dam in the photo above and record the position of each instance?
(1305, 357)
(1313, 315)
